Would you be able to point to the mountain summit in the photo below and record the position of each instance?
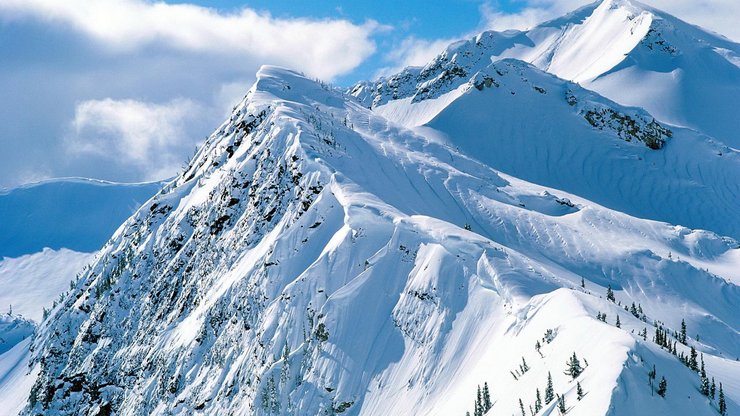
(626, 51)
(470, 236)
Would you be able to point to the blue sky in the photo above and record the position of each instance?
(124, 90)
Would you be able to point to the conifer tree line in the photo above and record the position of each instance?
(482, 403)
(662, 337)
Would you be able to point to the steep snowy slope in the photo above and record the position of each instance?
(316, 258)
(75, 213)
(538, 128)
(626, 51)
(32, 282)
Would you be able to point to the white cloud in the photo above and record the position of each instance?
(412, 52)
(320, 47)
(150, 137)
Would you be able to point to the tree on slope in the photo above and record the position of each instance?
(574, 368)
(662, 387)
(549, 391)
(521, 407)
(682, 336)
(610, 294)
(537, 402)
(579, 390)
(486, 398)
(561, 405)
(478, 409)
(722, 403)
(693, 364)
(704, 387)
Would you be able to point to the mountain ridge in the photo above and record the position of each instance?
(214, 311)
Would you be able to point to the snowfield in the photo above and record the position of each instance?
(476, 223)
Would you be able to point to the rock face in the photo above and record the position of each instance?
(320, 257)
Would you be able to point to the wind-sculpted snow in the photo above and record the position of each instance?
(316, 258)
(543, 130)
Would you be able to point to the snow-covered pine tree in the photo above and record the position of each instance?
(662, 387)
(524, 366)
(610, 294)
(579, 390)
(479, 402)
(583, 283)
(487, 404)
(618, 323)
(704, 386)
(574, 368)
(693, 363)
(722, 403)
(682, 336)
(521, 407)
(537, 401)
(712, 389)
(549, 391)
(561, 405)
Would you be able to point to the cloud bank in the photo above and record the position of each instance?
(124, 89)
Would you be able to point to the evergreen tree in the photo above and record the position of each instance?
(10, 309)
(693, 364)
(662, 387)
(549, 392)
(618, 323)
(478, 403)
(712, 389)
(574, 368)
(610, 294)
(521, 407)
(722, 403)
(537, 402)
(486, 398)
(561, 405)
(704, 388)
(583, 283)
(524, 366)
(579, 391)
(682, 336)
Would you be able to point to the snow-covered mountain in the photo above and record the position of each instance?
(317, 258)
(476, 223)
(49, 231)
(622, 49)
